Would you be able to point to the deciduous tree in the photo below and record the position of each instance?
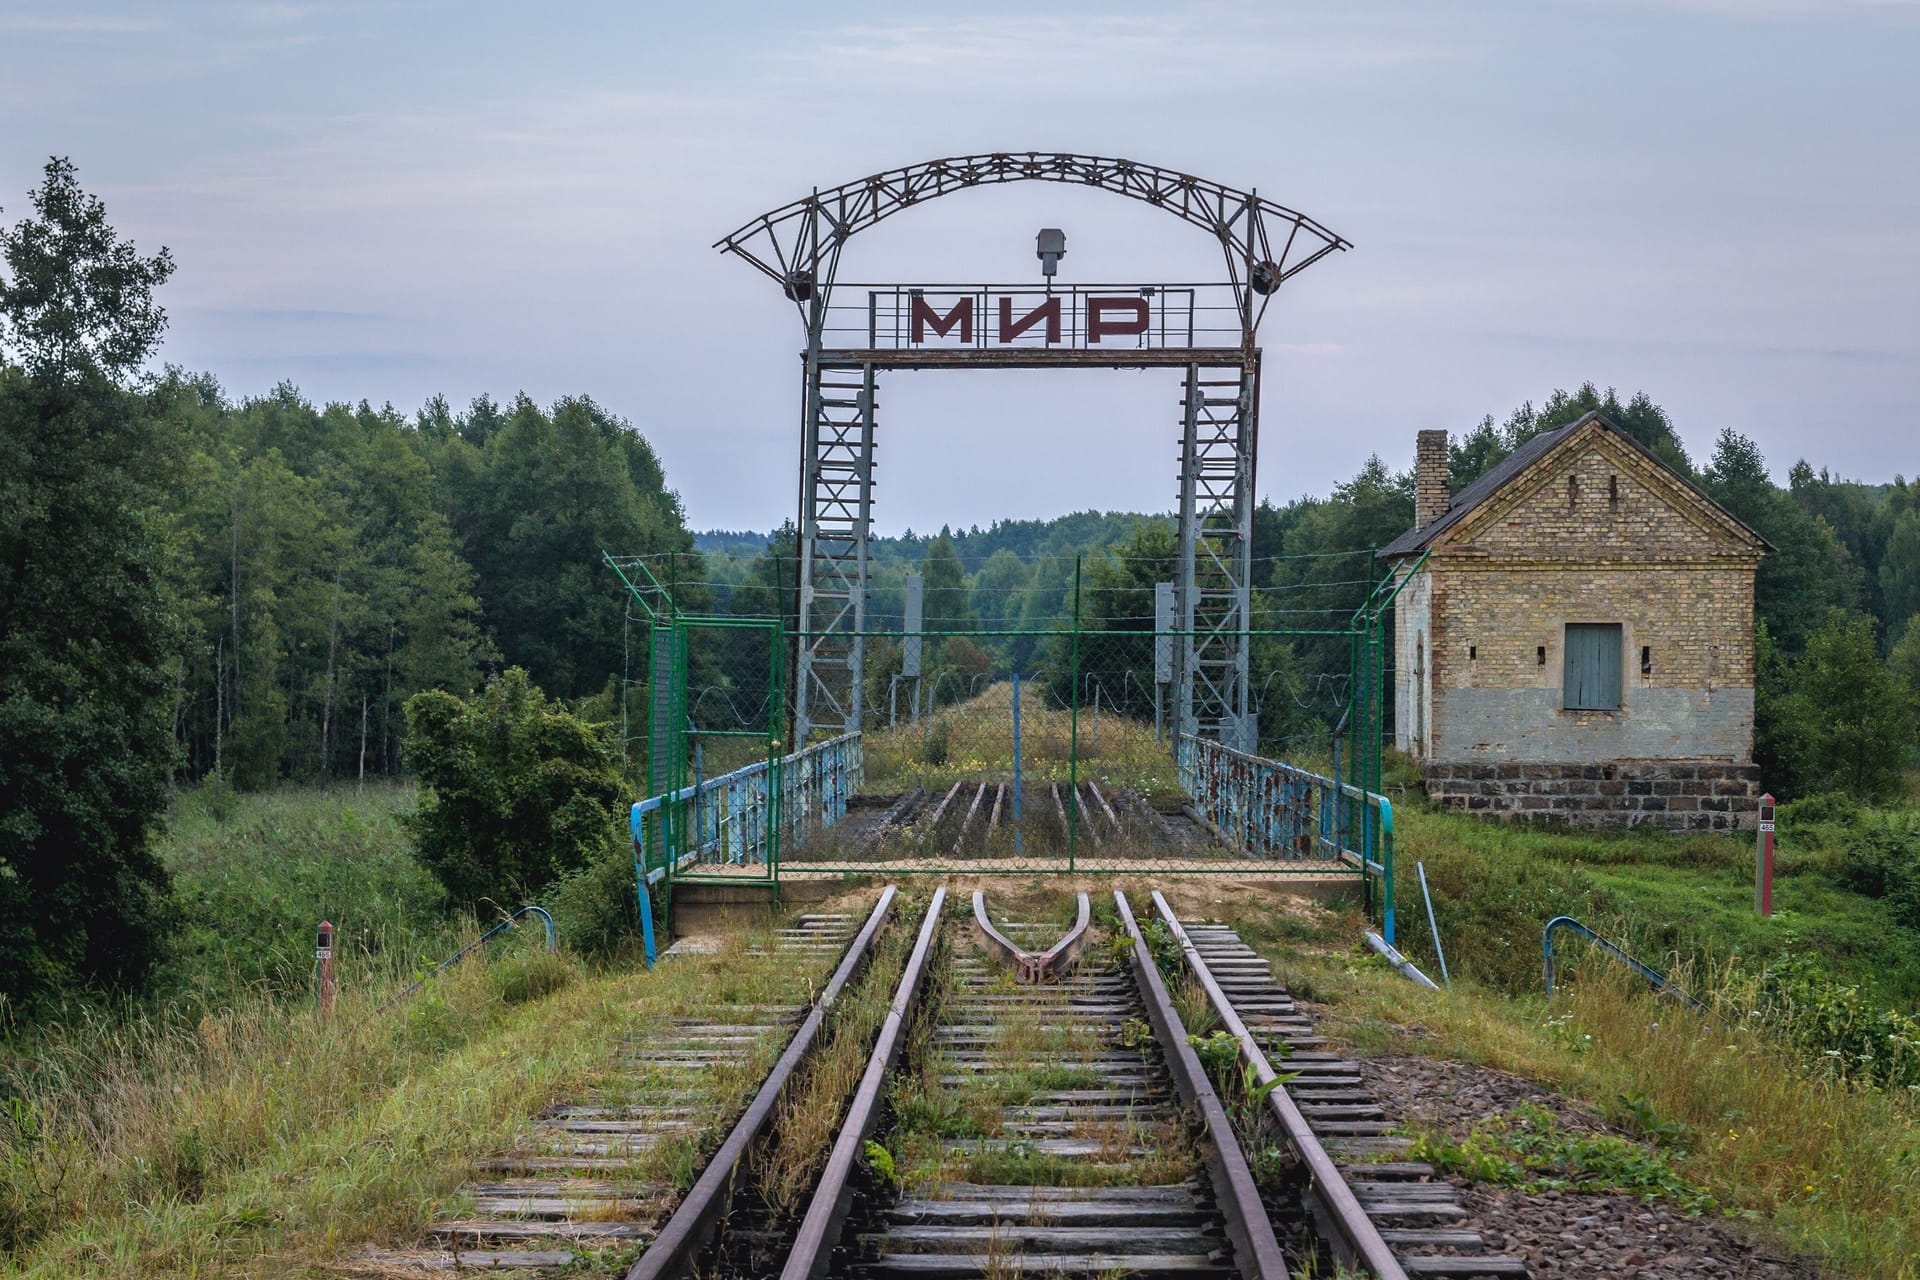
(89, 635)
(517, 791)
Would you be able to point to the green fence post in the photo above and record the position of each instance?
(669, 819)
(1355, 719)
(1073, 751)
(1377, 670)
(776, 734)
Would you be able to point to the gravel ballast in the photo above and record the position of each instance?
(1569, 1235)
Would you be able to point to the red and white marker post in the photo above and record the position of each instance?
(1763, 865)
(323, 952)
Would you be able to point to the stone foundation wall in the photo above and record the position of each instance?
(1693, 796)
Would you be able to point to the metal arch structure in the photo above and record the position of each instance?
(798, 246)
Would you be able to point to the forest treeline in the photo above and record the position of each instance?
(334, 560)
(195, 585)
(1836, 599)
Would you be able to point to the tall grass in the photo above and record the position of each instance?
(141, 1134)
(974, 739)
(265, 1140)
(1835, 1164)
(218, 1118)
(1687, 897)
(1829, 1163)
(253, 875)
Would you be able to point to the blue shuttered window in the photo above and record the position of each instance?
(1592, 678)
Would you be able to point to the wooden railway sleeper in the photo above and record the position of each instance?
(1330, 1100)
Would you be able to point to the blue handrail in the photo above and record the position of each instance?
(1278, 811)
(482, 941)
(728, 812)
(1653, 976)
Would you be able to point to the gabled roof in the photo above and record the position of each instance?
(1495, 479)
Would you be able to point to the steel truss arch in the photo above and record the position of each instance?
(798, 244)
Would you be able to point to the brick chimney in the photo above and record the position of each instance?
(1431, 492)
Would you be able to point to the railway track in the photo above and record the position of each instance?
(1385, 1216)
(1030, 1106)
(1047, 1129)
(597, 1172)
(1054, 1120)
(976, 818)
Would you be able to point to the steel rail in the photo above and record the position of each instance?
(675, 1250)
(1059, 957)
(1028, 967)
(827, 1212)
(1355, 1240)
(1256, 1251)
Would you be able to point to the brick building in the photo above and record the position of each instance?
(1578, 643)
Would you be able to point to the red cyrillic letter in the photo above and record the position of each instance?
(1098, 326)
(922, 317)
(1048, 311)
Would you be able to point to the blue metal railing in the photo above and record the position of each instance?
(724, 820)
(509, 923)
(1657, 980)
(1275, 810)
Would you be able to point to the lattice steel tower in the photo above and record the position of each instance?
(1015, 326)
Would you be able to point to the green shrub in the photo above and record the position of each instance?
(1828, 809)
(934, 750)
(596, 909)
(518, 791)
(1839, 1026)
(1882, 860)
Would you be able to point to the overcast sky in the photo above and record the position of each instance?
(1717, 201)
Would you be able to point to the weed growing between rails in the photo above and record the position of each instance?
(1826, 1165)
(1277, 1172)
(810, 1120)
(953, 1114)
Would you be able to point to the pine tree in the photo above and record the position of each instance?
(89, 638)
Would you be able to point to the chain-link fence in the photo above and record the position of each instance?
(1099, 742)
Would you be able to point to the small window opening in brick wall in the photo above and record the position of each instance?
(1541, 654)
(1473, 652)
(1646, 659)
(1573, 491)
(1613, 490)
